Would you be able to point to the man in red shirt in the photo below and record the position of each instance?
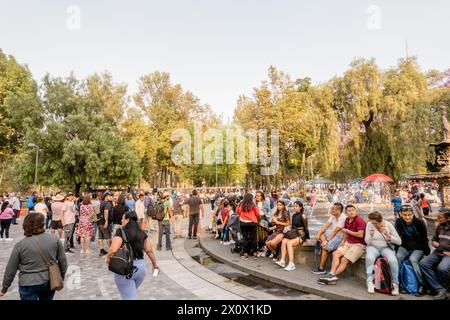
(351, 248)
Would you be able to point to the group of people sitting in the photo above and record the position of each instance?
(346, 236)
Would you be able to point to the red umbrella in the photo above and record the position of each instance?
(378, 177)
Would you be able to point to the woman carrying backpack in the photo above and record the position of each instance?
(381, 237)
(139, 243)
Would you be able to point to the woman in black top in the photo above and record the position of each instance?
(118, 211)
(295, 237)
(140, 243)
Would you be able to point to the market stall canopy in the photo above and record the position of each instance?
(378, 177)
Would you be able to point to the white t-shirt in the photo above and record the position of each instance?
(41, 208)
(337, 223)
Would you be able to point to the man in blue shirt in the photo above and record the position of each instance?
(397, 204)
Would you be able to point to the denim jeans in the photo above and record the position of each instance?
(414, 258)
(193, 224)
(372, 253)
(436, 271)
(164, 228)
(38, 292)
(128, 287)
(225, 234)
(68, 234)
(16, 213)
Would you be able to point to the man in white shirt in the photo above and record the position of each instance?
(330, 236)
(140, 212)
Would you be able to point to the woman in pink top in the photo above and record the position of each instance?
(6, 216)
(248, 218)
(86, 228)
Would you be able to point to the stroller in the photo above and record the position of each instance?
(233, 225)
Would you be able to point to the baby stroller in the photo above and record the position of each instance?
(233, 225)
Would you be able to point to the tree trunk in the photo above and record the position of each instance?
(302, 168)
(77, 189)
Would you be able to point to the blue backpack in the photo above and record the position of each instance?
(408, 278)
(30, 203)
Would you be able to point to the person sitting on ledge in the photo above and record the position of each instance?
(351, 248)
(413, 233)
(330, 238)
(436, 267)
(380, 238)
(281, 219)
(294, 237)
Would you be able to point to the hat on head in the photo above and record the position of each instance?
(58, 198)
(70, 194)
(106, 194)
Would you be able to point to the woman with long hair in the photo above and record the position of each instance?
(33, 271)
(86, 228)
(280, 220)
(295, 237)
(263, 219)
(139, 242)
(248, 218)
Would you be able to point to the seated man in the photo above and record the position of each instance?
(436, 267)
(351, 248)
(330, 238)
(413, 233)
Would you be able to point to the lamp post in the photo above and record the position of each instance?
(217, 159)
(32, 145)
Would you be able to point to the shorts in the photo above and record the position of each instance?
(351, 251)
(105, 233)
(55, 225)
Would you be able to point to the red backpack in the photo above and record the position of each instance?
(382, 276)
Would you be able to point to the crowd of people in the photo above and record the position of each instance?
(272, 227)
(256, 225)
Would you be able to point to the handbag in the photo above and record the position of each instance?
(121, 262)
(55, 278)
(291, 234)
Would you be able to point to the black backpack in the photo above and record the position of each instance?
(156, 211)
(122, 261)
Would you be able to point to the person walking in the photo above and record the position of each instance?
(6, 218)
(118, 211)
(164, 225)
(86, 228)
(139, 243)
(105, 222)
(140, 211)
(57, 212)
(48, 220)
(33, 271)
(194, 206)
(15, 205)
(178, 215)
(68, 222)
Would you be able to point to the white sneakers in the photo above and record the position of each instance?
(370, 287)
(8, 239)
(395, 290)
(281, 263)
(290, 267)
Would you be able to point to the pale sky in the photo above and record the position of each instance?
(221, 49)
